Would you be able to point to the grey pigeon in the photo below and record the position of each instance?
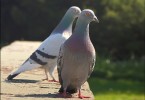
(46, 55)
(77, 56)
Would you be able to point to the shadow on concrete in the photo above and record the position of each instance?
(3, 44)
(21, 81)
(49, 95)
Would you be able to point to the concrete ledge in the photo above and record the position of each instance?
(27, 85)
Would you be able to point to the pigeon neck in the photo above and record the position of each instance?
(64, 25)
(82, 28)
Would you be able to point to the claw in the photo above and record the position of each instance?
(44, 79)
(64, 95)
(53, 81)
(81, 97)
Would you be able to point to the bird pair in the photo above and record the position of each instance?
(72, 52)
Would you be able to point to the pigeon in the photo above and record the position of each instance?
(46, 54)
(77, 56)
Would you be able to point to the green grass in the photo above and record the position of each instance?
(116, 90)
(127, 69)
(118, 80)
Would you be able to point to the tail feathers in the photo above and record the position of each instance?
(70, 89)
(10, 77)
(26, 66)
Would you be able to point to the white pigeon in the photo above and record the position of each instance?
(46, 55)
(77, 56)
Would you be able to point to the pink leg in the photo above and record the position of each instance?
(65, 95)
(53, 80)
(80, 96)
(61, 94)
(45, 75)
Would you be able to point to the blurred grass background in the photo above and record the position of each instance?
(119, 80)
(119, 39)
(117, 90)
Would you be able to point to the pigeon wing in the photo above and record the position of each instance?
(60, 64)
(92, 65)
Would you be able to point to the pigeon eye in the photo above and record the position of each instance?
(88, 14)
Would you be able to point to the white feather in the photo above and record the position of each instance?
(52, 44)
(28, 65)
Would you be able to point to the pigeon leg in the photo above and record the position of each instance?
(45, 75)
(64, 94)
(53, 80)
(80, 96)
(51, 70)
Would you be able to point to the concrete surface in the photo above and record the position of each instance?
(27, 85)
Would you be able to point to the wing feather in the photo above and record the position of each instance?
(60, 64)
(92, 66)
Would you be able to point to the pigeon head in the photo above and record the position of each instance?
(88, 15)
(74, 11)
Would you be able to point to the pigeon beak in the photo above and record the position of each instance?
(95, 19)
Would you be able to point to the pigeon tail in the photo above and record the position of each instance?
(10, 77)
(26, 66)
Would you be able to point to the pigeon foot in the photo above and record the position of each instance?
(81, 97)
(64, 95)
(53, 81)
(45, 79)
